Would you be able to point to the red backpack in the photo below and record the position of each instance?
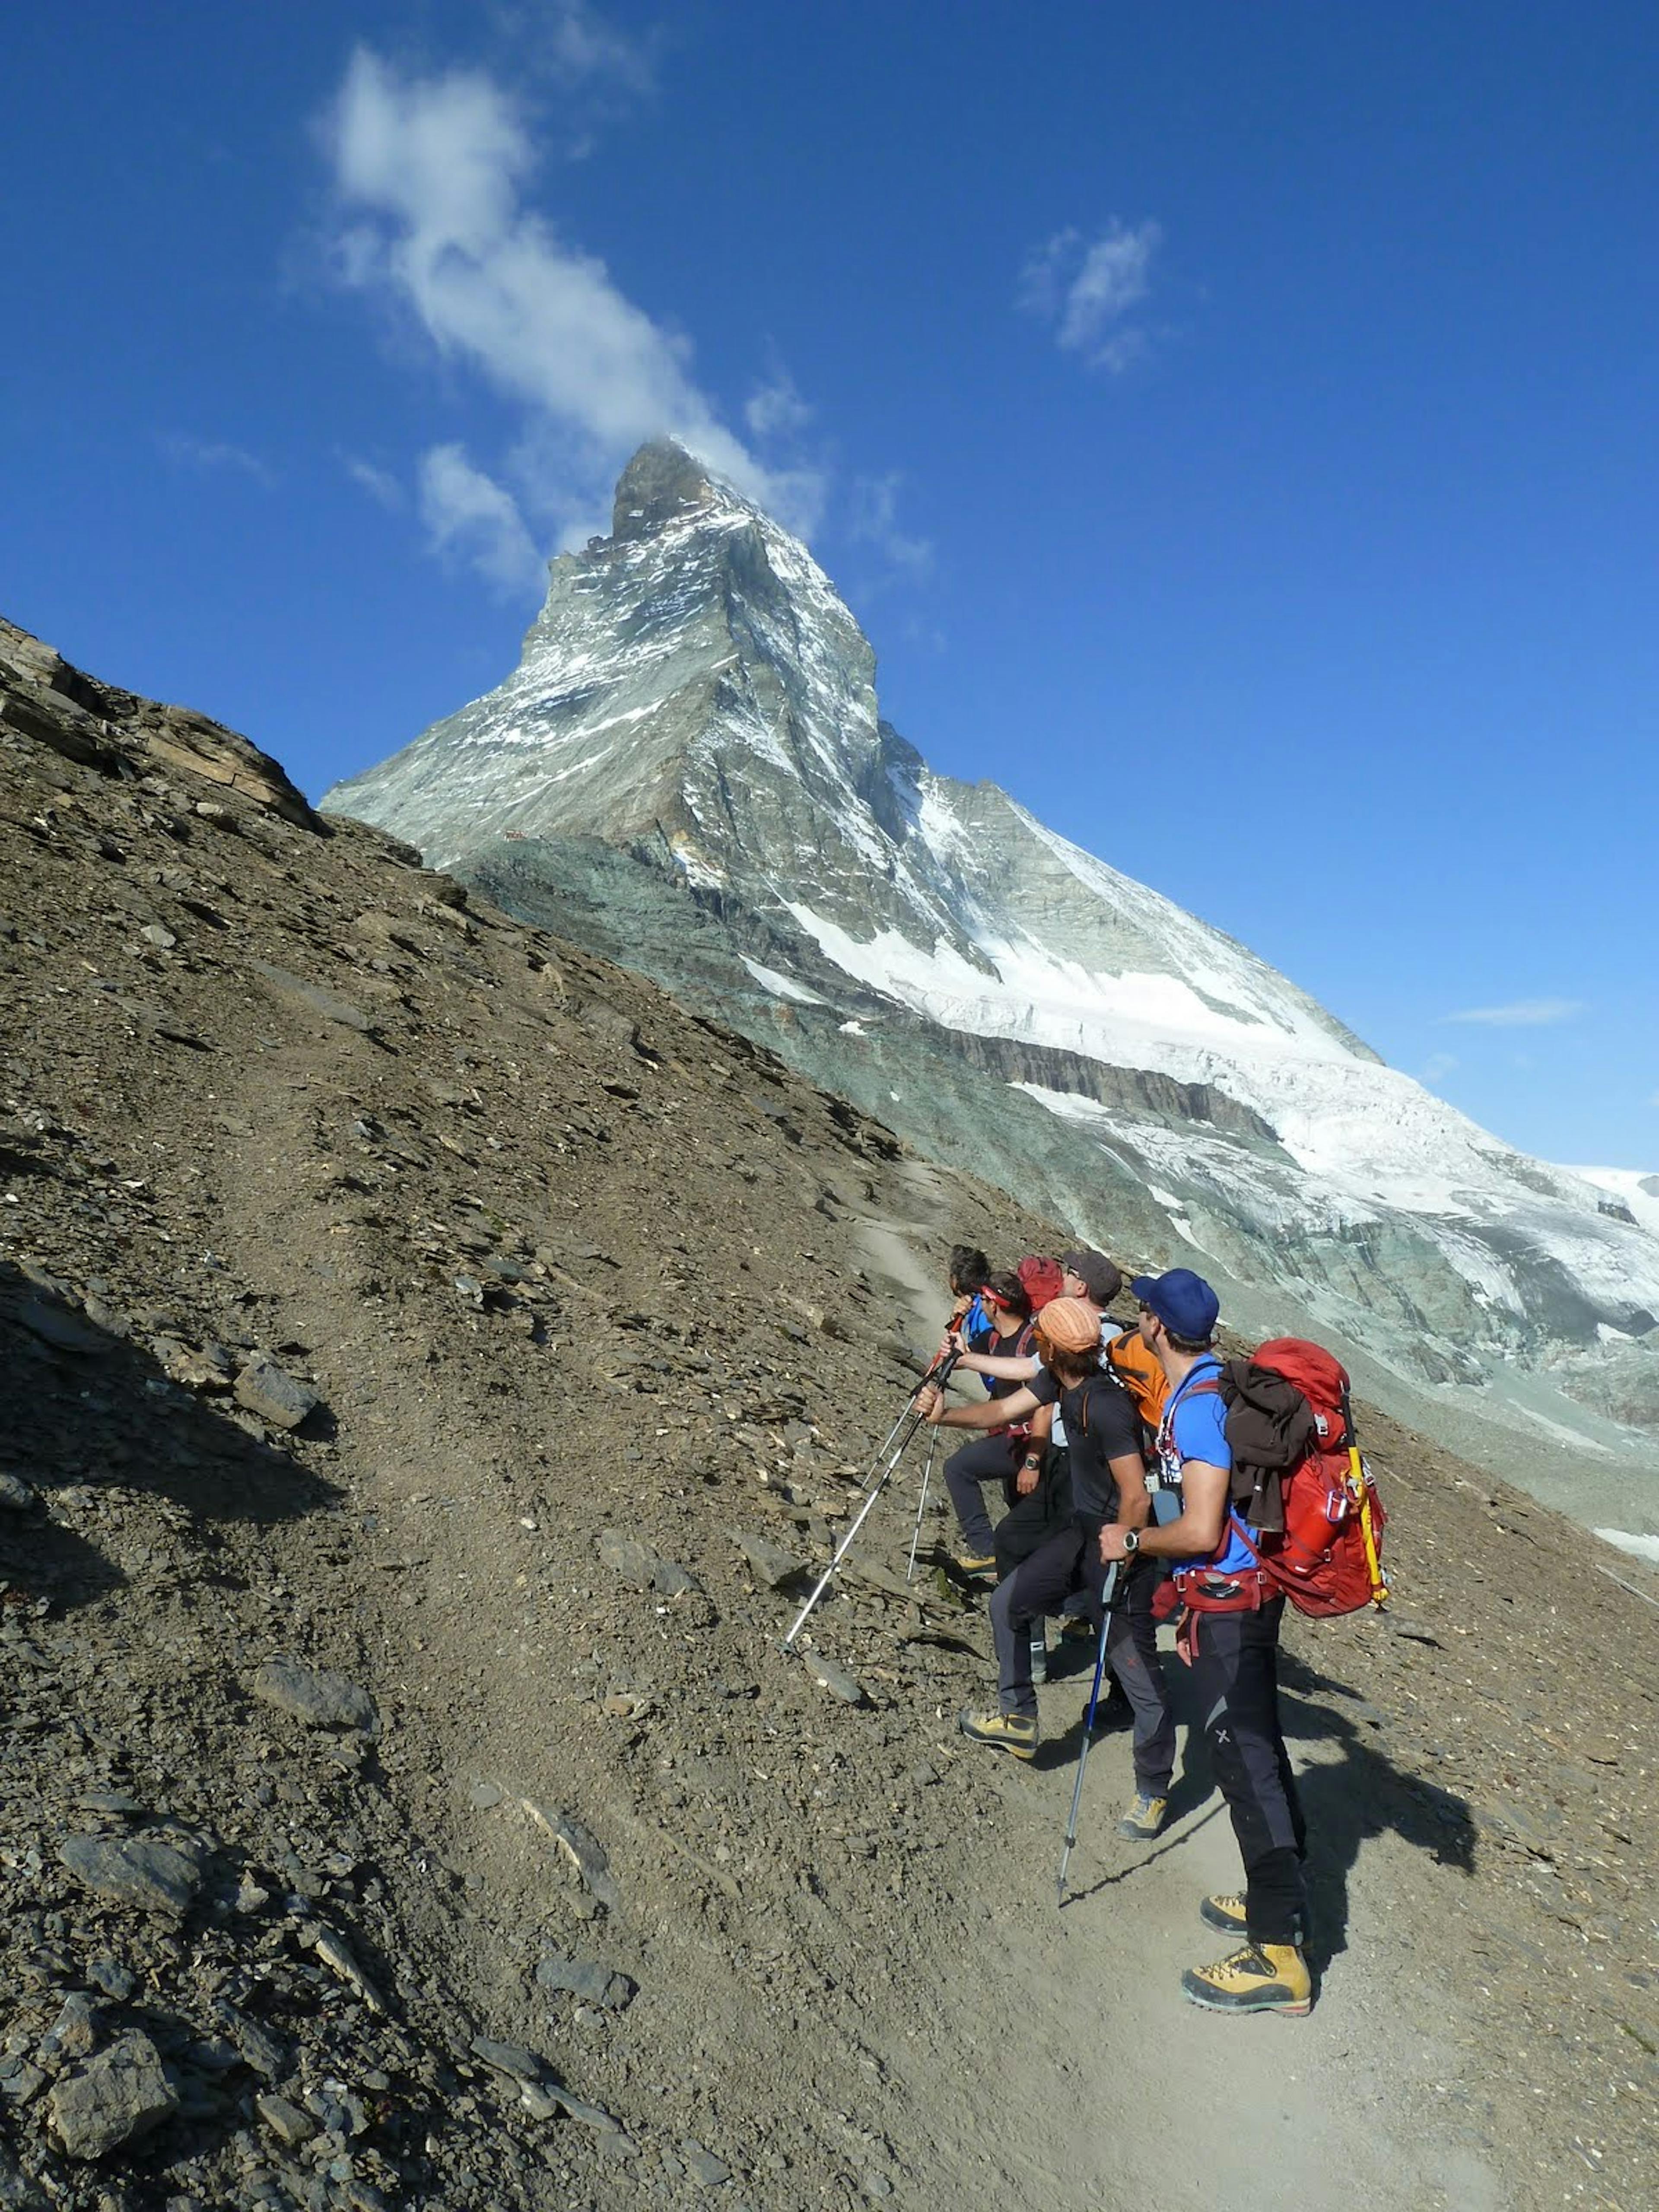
(1043, 1279)
(1302, 1495)
(1327, 1559)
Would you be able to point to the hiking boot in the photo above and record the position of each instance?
(1144, 1818)
(975, 1563)
(1226, 1913)
(1015, 1732)
(1260, 1978)
(1112, 1711)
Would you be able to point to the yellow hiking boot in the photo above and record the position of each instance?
(1016, 1733)
(1260, 1978)
(1144, 1816)
(1226, 1913)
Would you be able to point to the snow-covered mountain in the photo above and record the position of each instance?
(688, 769)
(1637, 1192)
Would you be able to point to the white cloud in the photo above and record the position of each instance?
(1521, 1013)
(467, 513)
(874, 521)
(433, 171)
(581, 46)
(1086, 289)
(216, 453)
(1436, 1067)
(775, 409)
(380, 484)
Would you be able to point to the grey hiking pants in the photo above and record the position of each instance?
(1069, 1561)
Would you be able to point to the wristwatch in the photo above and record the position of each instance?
(1131, 1542)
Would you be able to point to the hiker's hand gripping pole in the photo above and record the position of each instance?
(1109, 1591)
(904, 1429)
(947, 1358)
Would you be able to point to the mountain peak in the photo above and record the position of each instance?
(662, 482)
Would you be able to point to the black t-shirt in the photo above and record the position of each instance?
(1102, 1424)
(1020, 1346)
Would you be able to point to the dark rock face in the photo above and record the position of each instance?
(134, 1870)
(662, 483)
(316, 1696)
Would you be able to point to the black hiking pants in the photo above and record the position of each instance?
(987, 1459)
(1235, 1677)
(1030, 1521)
(1068, 1563)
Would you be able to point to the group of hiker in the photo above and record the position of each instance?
(1108, 1447)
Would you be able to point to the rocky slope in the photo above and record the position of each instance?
(689, 771)
(425, 1348)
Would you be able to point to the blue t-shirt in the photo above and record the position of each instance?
(1195, 1427)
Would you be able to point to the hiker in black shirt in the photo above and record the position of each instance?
(1109, 1485)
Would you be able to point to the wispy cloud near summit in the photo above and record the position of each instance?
(1085, 288)
(431, 175)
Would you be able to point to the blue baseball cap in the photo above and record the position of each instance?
(1182, 1300)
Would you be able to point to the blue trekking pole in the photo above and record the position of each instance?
(1109, 1590)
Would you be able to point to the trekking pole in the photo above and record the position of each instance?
(921, 1506)
(936, 1377)
(936, 1374)
(1109, 1590)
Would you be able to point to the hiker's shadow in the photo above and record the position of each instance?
(93, 1424)
(1346, 1800)
(1349, 1800)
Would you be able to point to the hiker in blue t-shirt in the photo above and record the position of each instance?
(1230, 1639)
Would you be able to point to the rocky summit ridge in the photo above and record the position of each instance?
(689, 771)
(434, 1364)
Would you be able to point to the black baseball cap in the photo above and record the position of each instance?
(1099, 1278)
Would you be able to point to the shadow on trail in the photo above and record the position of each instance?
(1348, 1799)
(87, 1409)
(1167, 1842)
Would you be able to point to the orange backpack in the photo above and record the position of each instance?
(1141, 1373)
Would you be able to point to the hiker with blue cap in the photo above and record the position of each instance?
(1233, 1652)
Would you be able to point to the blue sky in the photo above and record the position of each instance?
(1234, 427)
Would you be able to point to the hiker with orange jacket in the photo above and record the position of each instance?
(1233, 1651)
